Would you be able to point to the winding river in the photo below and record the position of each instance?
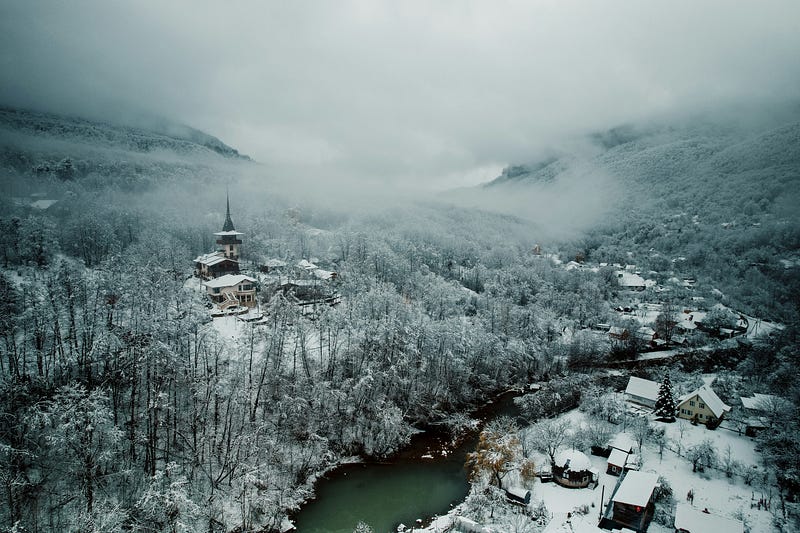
(417, 484)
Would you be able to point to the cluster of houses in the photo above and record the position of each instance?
(631, 506)
(705, 407)
(306, 284)
(699, 406)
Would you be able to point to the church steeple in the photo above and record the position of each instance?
(228, 226)
(228, 239)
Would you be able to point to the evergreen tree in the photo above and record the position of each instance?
(665, 404)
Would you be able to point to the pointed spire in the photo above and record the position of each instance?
(228, 222)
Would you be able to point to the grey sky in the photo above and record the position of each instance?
(422, 93)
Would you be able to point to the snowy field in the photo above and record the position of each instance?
(712, 489)
(722, 496)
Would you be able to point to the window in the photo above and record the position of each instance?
(700, 415)
(216, 290)
(691, 403)
(702, 405)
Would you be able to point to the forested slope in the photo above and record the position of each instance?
(124, 408)
(44, 145)
(717, 195)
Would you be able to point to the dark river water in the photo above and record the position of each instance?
(408, 488)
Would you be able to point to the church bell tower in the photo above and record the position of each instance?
(228, 239)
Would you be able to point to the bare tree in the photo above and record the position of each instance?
(548, 436)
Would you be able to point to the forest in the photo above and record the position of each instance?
(115, 382)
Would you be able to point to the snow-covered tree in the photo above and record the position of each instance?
(548, 436)
(665, 403)
(363, 527)
(702, 455)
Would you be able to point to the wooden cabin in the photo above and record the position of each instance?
(632, 504)
(213, 265)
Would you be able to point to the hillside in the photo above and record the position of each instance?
(36, 144)
(717, 197)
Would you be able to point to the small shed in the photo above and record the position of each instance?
(622, 441)
(632, 503)
(573, 469)
(519, 495)
(616, 462)
(690, 520)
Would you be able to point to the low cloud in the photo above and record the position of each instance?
(395, 94)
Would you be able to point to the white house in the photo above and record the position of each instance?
(232, 289)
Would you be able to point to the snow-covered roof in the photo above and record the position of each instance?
(43, 204)
(646, 331)
(622, 441)
(636, 488)
(643, 388)
(710, 398)
(307, 265)
(212, 258)
(758, 402)
(629, 279)
(519, 492)
(577, 460)
(274, 263)
(694, 521)
(616, 330)
(324, 274)
(228, 233)
(228, 280)
(617, 457)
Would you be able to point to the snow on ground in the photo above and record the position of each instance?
(712, 489)
(230, 327)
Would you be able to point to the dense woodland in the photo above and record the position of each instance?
(114, 382)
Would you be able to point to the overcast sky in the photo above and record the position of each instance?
(432, 93)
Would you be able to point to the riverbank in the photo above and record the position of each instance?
(424, 479)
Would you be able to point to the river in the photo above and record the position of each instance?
(417, 484)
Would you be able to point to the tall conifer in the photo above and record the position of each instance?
(665, 404)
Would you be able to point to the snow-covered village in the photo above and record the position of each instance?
(384, 267)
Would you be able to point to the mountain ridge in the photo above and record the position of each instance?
(161, 134)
